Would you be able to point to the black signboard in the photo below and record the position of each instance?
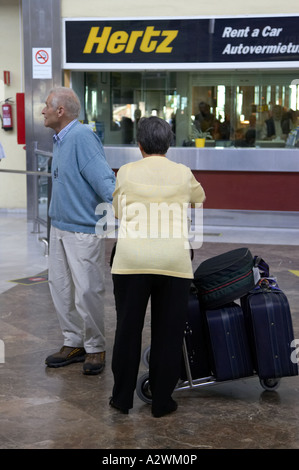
(182, 41)
(159, 41)
(256, 39)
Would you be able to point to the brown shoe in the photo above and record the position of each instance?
(94, 363)
(66, 355)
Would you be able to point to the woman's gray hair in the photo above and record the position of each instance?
(154, 135)
(66, 97)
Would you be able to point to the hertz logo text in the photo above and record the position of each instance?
(150, 40)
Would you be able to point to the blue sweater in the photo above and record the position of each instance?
(81, 179)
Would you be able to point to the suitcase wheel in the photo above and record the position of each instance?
(270, 384)
(143, 389)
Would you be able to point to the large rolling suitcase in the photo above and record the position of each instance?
(229, 343)
(196, 341)
(224, 278)
(269, 324)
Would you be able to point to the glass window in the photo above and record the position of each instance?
(226, 108)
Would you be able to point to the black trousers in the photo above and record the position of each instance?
(169, 301)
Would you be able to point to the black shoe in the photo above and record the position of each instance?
(94, 363)
(169, 408)
(124, 411)
(66, 355)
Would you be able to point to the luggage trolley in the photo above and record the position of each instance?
(143, 386)
(224, 341)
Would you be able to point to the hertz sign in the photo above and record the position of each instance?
(180, 41)
(148, 40)
(137, 41)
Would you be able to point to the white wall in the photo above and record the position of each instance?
(12, 186)
(155, 8)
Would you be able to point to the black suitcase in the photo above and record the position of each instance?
(224, 278)
(269, 324)
(229, 343)
(196, 341)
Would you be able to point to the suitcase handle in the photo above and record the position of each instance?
(263, 267)
(267, 284)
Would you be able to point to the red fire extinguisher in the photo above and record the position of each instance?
(7, 124)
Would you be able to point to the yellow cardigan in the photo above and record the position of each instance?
(151, 199)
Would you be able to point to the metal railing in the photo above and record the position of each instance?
(43, 185)
(24, 172)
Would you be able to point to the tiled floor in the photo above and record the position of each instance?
(43, 408)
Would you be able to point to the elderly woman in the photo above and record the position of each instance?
(152, 261)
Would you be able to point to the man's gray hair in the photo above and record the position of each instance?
(66, 97)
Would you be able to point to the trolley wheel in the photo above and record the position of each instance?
(146, 356)
(143, 389)
(270, 384)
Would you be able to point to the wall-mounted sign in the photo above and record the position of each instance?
(41, 62)
(180, 42)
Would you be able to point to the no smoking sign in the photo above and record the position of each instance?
(42, 57)
(41, 62)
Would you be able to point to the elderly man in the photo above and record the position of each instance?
(81, 179)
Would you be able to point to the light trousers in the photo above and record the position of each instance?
(77, 285)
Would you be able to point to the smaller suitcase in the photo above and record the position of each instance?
(229, 343)
(196, 341)
(224, 278)
(270, 328)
